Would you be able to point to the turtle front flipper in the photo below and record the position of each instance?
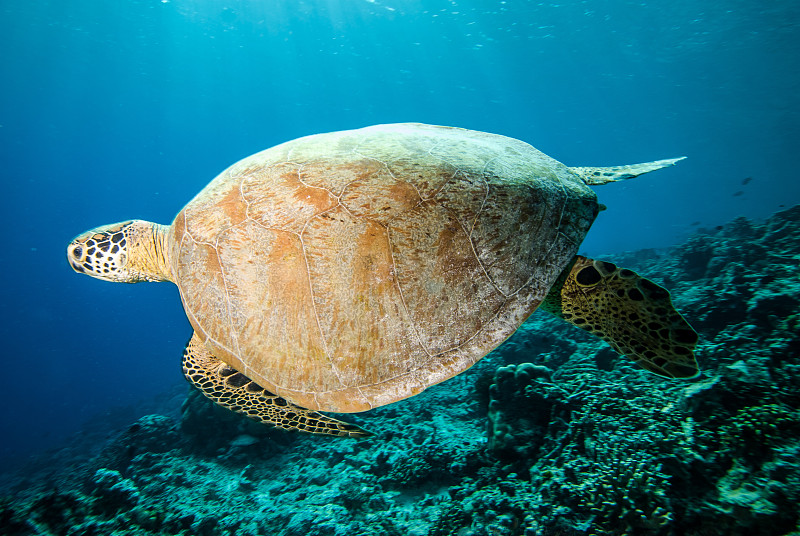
(234, 391)
(632, 314)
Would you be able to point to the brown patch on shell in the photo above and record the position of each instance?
(277, 198)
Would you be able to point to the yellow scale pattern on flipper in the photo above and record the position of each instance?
(233, 390)
(632, 314)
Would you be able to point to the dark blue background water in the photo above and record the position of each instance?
(115, 110)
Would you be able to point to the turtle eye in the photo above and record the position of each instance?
(77, 252)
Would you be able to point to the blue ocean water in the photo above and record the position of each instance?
(118, 110)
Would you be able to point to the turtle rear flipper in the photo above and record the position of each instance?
(233, 390)
(632, 314)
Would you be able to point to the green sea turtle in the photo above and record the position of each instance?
(344, 271)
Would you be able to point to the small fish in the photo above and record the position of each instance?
(737, 194)
(695, 223)
(747, 179)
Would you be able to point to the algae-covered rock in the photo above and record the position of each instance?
(523, 402)
(151, 433)
(12, 519)
(112, 493)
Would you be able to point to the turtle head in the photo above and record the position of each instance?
(125, 252)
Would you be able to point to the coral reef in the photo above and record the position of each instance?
(552, 434)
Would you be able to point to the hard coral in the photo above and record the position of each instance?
(523, 400)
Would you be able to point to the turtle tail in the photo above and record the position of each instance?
(632, 314)
(602, 175)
